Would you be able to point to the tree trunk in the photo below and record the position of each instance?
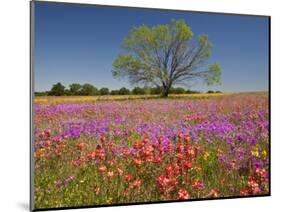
(165, 91)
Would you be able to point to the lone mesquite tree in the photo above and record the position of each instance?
(165, 55)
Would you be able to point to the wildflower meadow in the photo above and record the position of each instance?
(118, 151)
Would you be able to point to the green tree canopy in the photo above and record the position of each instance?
(177, 90)
(89, 90)
(114, 92)
(138, 91)
(75, 88)
(124, 91)
(155, 90)
(104, 91)
(57, 90)
(164, 55)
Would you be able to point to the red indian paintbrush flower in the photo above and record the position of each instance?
(102, 169)
(100, 153)
(91, 155)
(128, 177)
(81, 145)
(145, 140)
(138, 161)
(120, 171)
(197, 184)
(213, 193)
(244, 192)
(183, 194)
(110, 174)
(180, 135)
(187, 138)
(136, 184)
(253, 187)
(102, 139)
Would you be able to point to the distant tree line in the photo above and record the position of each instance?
(76, 89)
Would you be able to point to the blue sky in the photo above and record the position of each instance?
(78, 43)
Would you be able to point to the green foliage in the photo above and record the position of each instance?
(162, 56)
(155, 90)
(125, 63)
(124, 91)
(114, 92)
(43, 93)
(213, 76)
(104, 91)
(138, 91)
(75, 89)
(67, 92)
(206, 45)
(57, 90)
(177, 90)
(89, 90)
(191, 91)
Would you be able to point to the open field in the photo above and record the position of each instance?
(46, 99)
(90, 152)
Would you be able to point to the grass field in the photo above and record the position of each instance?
(46, 99)
(90, 152)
